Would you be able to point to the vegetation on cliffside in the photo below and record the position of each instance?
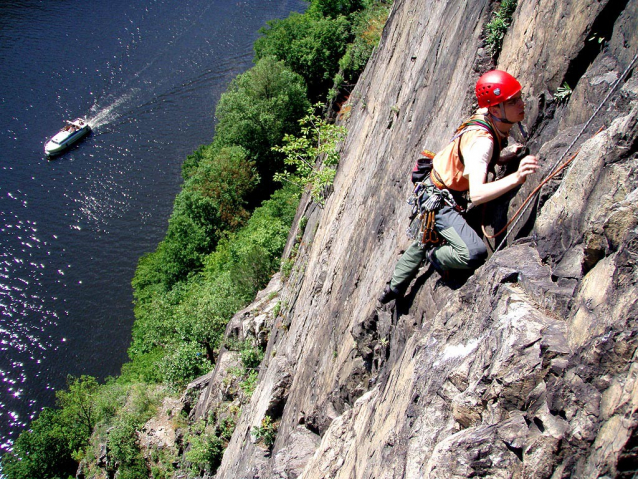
(224, 240)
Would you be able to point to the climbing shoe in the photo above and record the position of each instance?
(388, 294)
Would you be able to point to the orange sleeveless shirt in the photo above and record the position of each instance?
(447, 167)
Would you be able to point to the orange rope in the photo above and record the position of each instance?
(531, 195)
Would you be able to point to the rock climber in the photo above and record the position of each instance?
(461, 167)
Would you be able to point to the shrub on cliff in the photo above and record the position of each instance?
(44, 450)
(367, 28)
(318, 138)
(211, 203)
(310, 45)
(191, 316)
(47, 448)
(258, 109)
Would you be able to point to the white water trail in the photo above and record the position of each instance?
(101, 116)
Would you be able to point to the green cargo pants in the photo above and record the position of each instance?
(464, 249)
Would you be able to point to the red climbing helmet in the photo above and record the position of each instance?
(495, 87)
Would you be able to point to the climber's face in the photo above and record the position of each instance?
(514, 109)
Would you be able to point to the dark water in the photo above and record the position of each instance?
(147, 75)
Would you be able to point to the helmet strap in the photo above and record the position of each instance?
(504, 134)
(503, 118)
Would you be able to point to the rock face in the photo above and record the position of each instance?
(526, 370)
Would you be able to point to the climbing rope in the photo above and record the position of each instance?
(531, 195)
(558, 167)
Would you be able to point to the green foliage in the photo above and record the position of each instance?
(249, 383)
(210, 205)
(206, 446)
(251, 356)
(311, 45)
(258, 109)
(227, 178)
(286, 267)
(205, 453)
(202, 315)
(44, 451)
(277, 309)
(55, 440)
(78, 406)
(136, 406)
(267, 432)
(318, 139)
(226, 428)
(183, 365)
(123, 449)
(495, 30)
(334, 8)
(368, 26)
(196, 312)
(563, 93)
(144, 367)
(109, 400)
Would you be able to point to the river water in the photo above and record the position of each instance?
(147, 75)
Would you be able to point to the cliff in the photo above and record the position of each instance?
(528, 368)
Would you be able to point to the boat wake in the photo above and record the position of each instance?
(103, 115)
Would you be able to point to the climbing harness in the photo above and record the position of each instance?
(559, 166)
(426, 200)
(431, 192)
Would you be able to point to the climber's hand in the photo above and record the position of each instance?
(528, 165)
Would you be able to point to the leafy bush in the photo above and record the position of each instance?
(55, 439)
(249, 383)
(497, 27)
(563, 93)
(204, 312)
(210, 204)
(258, 109)
(266, 432)
(251, 356)
(310, 45)
(335, 8)
(368, 25)
(123, 449)
(205, 453)
(44, 450)
(313, 155)
(183, 365)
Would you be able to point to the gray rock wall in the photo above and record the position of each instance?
(527, 369)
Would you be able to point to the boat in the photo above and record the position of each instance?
(72, 132)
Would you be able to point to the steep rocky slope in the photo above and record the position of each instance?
(528, 368)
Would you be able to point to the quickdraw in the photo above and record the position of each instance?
(428, 234)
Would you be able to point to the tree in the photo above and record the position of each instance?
(313, 155)
(77, 405)
(335, 8)
(202, 316)
(309, 45)
(210, 205)
(43, 451)
(227, 177)
(47, 449)
(258, 109)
